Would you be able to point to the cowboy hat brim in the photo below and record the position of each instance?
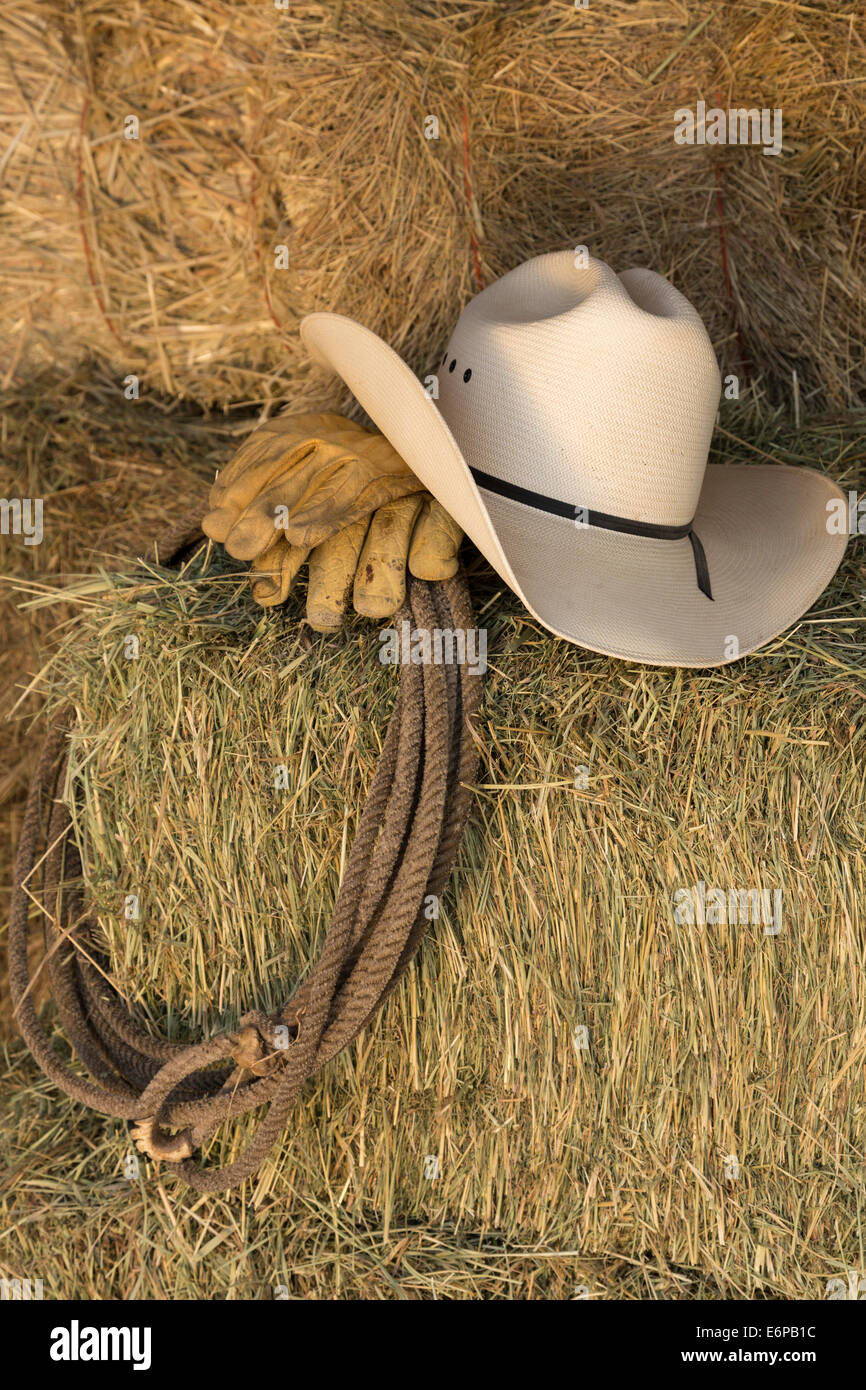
(763, 529)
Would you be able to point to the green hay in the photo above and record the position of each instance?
(603, 1167)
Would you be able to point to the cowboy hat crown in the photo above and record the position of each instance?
(608, 383)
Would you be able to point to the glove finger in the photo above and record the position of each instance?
(273, 573)
(271, 445)
(308, 509)
(326, 492)
(262, 457)
(270, 453)
(332, 565)
(380, 579)
(435, 543)
(320, 492)
(306, 476)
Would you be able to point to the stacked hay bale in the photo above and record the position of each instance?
(311, 128)
(568, 1160)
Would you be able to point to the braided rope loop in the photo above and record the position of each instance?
(403, 853)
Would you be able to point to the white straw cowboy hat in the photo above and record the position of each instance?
(570, 442)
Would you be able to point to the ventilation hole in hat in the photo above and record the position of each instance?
(467, 374)
(444, 359)
(453, 364)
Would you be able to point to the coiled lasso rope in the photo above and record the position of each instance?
(403, 852)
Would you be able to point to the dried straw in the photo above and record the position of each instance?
(304, 128)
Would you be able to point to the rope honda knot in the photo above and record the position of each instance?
(256, 1046)
(153, 1141)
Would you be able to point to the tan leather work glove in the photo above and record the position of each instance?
(286, 489)
(302, 477)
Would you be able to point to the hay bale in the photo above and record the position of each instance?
(605, 1166)
(261, 128)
